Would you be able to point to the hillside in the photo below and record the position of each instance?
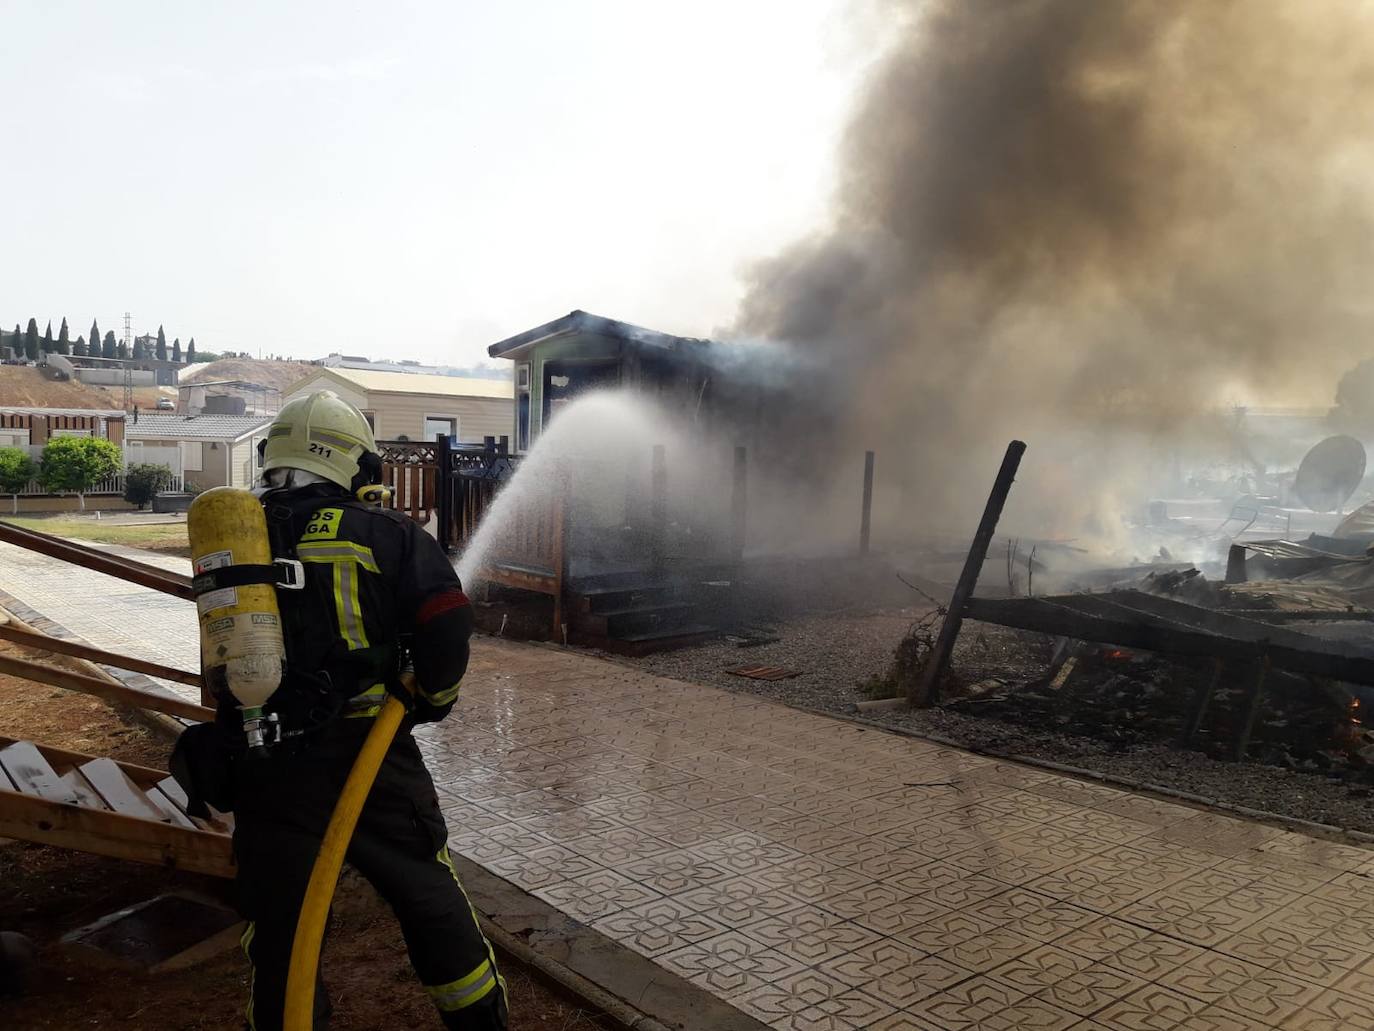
(24, 387)
(276, 375)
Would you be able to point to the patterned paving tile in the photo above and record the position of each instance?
(731, 964)
(895, 973)
(813, 1002)
(738, 901)
(595, 894)
(659, 926)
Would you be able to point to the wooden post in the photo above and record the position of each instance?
(561, 505)
(1252, 709)
(927, 689)
(739, 505)
(1235, 564)
(658, 510)
(1204, 699)
(866, 519)
(445, 505)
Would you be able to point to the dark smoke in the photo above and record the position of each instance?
(1084, 222)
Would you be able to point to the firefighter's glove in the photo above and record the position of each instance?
(403, 689)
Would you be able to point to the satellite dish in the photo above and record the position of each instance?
(1329, 473)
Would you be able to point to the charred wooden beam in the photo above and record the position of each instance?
(1312, 656)
(926, 690)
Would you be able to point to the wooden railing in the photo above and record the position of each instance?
(411, 470)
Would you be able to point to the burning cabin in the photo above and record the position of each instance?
(631, 521)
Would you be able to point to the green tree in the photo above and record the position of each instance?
(121, 350)
(79, 348)
(31, 340)
(108, 349)
(140, 352)
(78, 463)
(64, 340)
(18, 341)
(17, 469)
(48, 346)
(161, 345)
(190, 350)
(93, 344)
(176, 349)
(141, 482)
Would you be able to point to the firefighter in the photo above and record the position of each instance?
(376, 589)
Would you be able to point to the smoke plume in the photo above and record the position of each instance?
(1059, 218)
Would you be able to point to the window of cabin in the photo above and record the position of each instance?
(437, 424)
(522, 407)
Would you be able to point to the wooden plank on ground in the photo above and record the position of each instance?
(31, 818)
(169, 809)
(81, 787)
(169, 787)
(32, 773)
(61, 758)
(119, 792)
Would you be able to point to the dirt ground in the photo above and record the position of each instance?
(51, 891)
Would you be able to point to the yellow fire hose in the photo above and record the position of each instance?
(299, 1012)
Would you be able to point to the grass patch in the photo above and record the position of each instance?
(169, 538)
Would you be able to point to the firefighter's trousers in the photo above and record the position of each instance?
(282, 805)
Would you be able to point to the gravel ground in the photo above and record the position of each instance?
(835, 652)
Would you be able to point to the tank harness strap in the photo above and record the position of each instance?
(285, 573)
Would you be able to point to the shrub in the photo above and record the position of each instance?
(78, 464)
(16, 470)
(141, 482)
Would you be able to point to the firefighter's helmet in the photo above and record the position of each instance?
(323, 434)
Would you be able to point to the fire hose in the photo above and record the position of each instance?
(324, 876)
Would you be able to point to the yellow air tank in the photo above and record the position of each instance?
(241, 648)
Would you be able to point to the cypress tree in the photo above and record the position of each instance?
(176, 349)
(161, 345)
(140, 352)
(93, 341)
(18, 341)
(79, 348)
(31, 340)
(64, 340)
(190, 349)
(108, 349)
(48, 346)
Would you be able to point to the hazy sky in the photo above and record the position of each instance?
(408, 179)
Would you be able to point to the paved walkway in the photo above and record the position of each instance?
(820, 875)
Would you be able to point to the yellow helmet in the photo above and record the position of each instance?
(323, 434)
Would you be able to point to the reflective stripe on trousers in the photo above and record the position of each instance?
(478, 984)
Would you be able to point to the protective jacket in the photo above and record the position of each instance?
(377, 591)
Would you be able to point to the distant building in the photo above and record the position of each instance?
(350, 361)
(413, 406)
(216, 450)
(34, 427)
